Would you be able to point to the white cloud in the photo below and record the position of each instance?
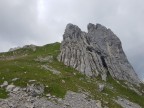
(44, 21)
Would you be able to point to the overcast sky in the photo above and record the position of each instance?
(41, 22)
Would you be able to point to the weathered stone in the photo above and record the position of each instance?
(33, 47)
(80, 100)
(44, 59)
(101, 87)
(49, 68)
(5, 83)
(98, 52)
(10, 88)
(15, 79)
(22, 99)
(126, 103)
(31, 81)
(46, 86)
(63, 81)
(99, 104)
(16, 89)
(48, 95)
(35, 89)
(13, 49)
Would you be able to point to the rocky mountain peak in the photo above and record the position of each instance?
(96, 53)
(71, 31)
(92, 27)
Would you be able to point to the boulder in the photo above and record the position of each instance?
(10, 88)
(35, 89)
(15, 79)
(101, 87)
(5, 83)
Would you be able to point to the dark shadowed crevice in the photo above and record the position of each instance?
(104, 63)
(90, 49)
(88, 40)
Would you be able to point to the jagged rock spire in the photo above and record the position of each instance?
(98, 52)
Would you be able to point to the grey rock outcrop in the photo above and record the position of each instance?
(5, 83)
(22, 99)
(13, 49)
(49, 68)
(35, 90)
(126, 103)
(98, 52)
(10, 88)
(101, 87)
(33, 47)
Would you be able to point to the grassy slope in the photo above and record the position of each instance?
(26, 68)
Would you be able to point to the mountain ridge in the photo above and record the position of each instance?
(32, 76)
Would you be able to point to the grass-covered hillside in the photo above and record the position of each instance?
(40, 66)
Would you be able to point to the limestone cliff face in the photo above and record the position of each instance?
(98, 52)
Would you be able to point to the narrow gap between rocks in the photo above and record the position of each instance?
(104, 64)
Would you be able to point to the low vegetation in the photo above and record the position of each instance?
(22, 64)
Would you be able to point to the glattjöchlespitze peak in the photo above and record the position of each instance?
(98, 52)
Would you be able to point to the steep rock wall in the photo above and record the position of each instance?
(98, 52)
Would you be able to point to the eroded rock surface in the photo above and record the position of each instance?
(98, 52)
(22, 99)
(126, 103)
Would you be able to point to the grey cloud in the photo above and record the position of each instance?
(21, 23)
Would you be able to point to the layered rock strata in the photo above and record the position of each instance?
(97, 52)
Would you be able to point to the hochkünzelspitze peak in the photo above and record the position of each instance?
(98, 52)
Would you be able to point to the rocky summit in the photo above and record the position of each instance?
(96, 53)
